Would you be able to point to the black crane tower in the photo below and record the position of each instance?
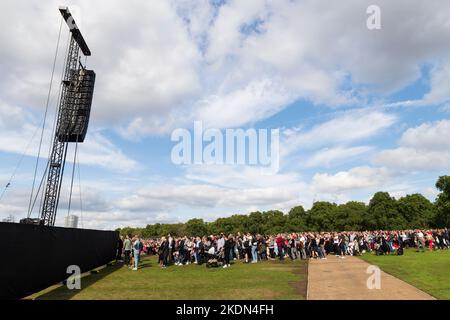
(73, 111)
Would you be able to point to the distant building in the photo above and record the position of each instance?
(71, 221)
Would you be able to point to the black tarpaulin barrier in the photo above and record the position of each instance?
(36, 257)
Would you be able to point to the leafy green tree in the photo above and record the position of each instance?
(239, 222)
(350, 216)
(383, 213)
(442, 218)
(443, 185)
(130, 231)
(417, 211)
(196, 227)
(321, 216)
(224, 225)
(255, 223)
(274, 221)
(297, 219)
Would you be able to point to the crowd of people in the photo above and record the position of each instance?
(220, 250)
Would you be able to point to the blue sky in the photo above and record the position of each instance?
(358, 110)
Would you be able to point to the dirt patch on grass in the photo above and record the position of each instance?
(251, 294)
(301, 286)
(283, 268)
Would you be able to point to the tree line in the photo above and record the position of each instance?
(382, 213)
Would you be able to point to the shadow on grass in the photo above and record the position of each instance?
(147, 264)
(63, 293)
(301, 286)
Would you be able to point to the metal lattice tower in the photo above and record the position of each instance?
(73, 116)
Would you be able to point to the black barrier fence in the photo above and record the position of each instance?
(35, 257)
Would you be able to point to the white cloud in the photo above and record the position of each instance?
(19, 133)
(145, 61)
(428, 136)
(213, 191)
(159, 63)
(240, 176)
(439, 83)
(172, 198)
(329, 157)
(257, 101)
(410, 159)
(350, 127)
(99, 151)
(355, 178)
(225, 37)
(430, 193)
(423, 148)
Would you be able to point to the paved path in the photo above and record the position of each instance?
(346, 279)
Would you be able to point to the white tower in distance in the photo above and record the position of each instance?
(71, 221)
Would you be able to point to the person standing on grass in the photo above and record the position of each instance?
(136, 252)
(164, 252)
(233, 245)
(246, 247)
(275, 247)
(301, 248)
(446, 236)
(314, 247)
(430, 240)
(288, 246)
(127, 251)
(279, 242)
(236, 248)
(441, 236)
(181, 252)
(171, 243)
(254, 247)
(293, 244)
(262, 248)
(228, 245)
(271, 243)
(119, 249)
(197, 249)
(341, 246)
(221, 242)
(189, 246)
(336, 245)
(137, 248)
(321, 243)
(420, 240)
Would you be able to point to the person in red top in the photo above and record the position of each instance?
(279, 242)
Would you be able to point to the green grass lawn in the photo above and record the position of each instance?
(265, 280)
(428, 271)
